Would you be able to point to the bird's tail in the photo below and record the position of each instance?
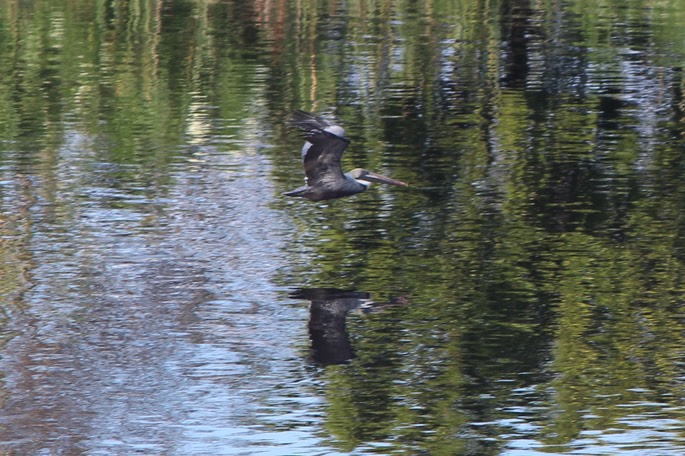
(300, 192)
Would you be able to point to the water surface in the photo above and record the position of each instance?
(523, 296)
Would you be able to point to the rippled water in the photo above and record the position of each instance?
(523, 296)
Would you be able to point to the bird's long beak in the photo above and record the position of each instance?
(381, 179)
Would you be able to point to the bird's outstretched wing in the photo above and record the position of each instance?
(307, 121)
(322, 160)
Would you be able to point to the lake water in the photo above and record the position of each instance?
(524, 295)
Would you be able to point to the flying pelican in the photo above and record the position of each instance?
(321, 154)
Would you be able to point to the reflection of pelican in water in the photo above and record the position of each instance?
(327, 313)
(321, 158)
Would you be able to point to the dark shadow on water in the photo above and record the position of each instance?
(327, 320)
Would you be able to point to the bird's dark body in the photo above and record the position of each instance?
(322, 193)
(325, 179)
(321, 155)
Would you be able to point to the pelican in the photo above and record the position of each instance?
(324, 145)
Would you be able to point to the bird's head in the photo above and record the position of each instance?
(366, 177)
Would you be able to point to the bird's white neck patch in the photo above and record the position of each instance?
(337, 130)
